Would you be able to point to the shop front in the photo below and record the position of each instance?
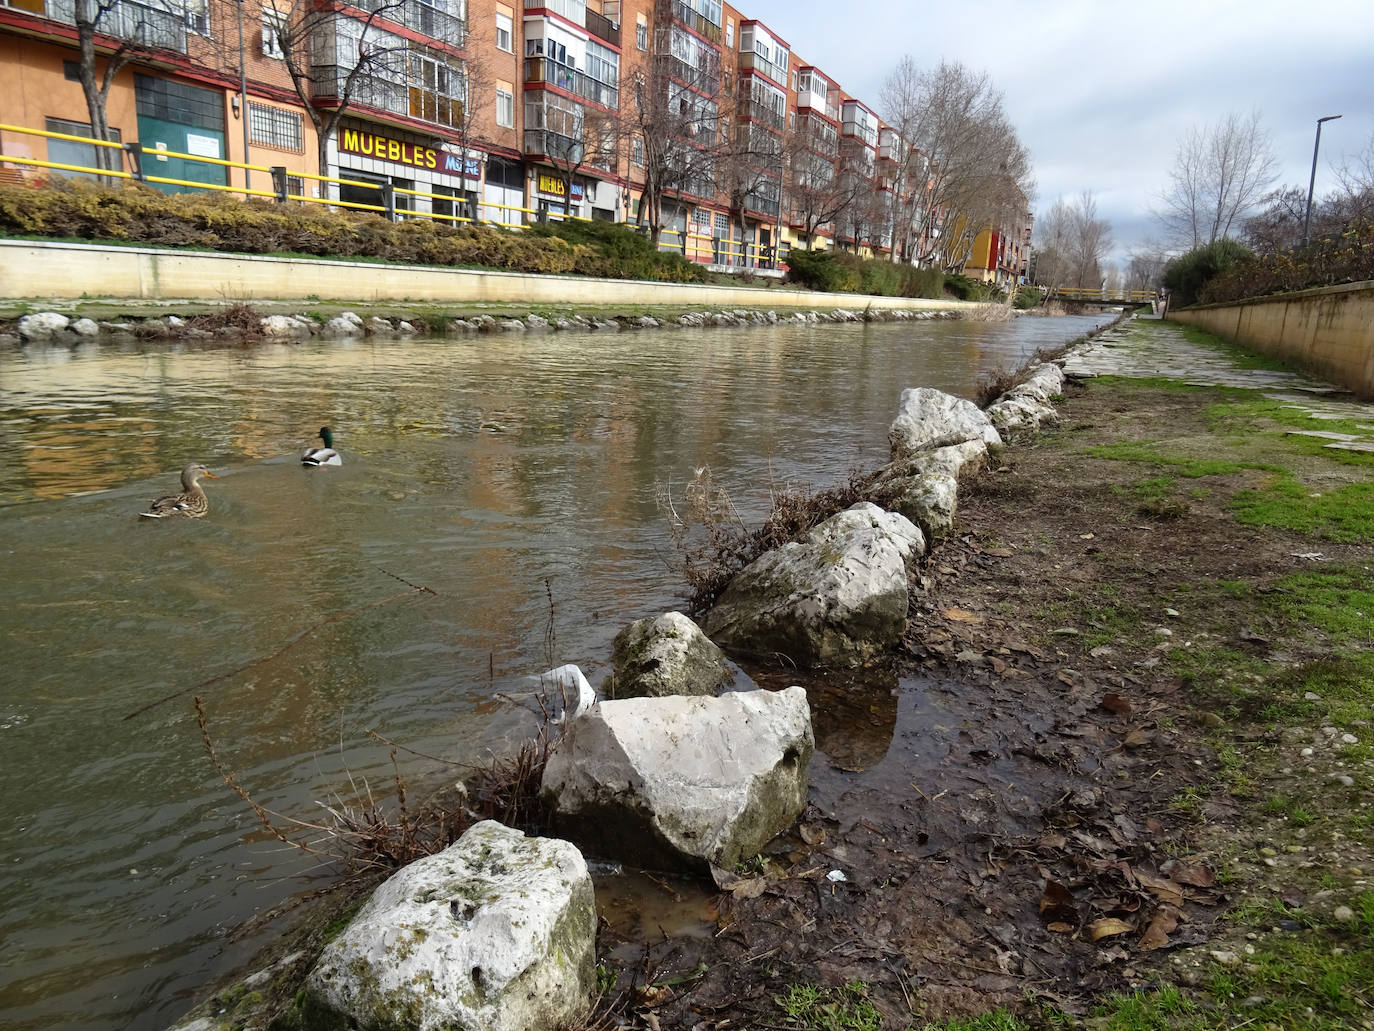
(445, 184)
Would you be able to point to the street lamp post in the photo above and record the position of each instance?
(1307, 219)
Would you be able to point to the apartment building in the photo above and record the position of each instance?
(686, 117)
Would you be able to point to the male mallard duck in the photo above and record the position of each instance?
(190, 502)
(322, 455)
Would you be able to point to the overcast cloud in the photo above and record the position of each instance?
(1102, 93)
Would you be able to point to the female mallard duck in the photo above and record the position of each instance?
(190, 502)
(322, 455)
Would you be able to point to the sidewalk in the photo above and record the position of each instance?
(1163, 350)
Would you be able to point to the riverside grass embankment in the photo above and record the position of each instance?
(1120, 775)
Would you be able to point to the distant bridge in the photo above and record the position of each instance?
(1105, 295)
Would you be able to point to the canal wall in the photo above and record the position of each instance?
(74, 270)
(1328, 331)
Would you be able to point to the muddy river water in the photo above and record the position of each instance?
(515, 477)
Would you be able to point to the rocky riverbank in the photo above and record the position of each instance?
(245, 323)
(1131, 693)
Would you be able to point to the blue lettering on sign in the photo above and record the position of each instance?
(454, 164)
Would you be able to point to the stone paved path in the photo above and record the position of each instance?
(1164, 351)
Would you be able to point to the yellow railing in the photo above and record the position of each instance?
(699, 247)
(136, 153)
(709, 250)
(1091, 293)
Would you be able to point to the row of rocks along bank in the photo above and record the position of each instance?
(55, 328)
(670, 770)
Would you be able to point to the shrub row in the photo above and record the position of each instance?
(138, 214)
(842, 272)
(1329, 261)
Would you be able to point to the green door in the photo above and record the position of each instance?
(184, 119)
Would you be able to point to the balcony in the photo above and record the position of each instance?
(756, 112)
(694, 21)
(603, 28)
(552, 144)
(159, 26)
(432, 21)
(573, 10)
(385, 94)
(861, 130)
(697, 78)
(544, 71)
(749, 61)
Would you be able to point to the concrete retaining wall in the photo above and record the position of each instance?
(71, 270)
(1329, 331)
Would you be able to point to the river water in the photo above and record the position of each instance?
(514, 476)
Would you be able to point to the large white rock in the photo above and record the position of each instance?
(42, 325)
(929, 500)
(665, 655)
(839, 596)
(928, 419)
(344, 326)
(495, 933)
(282, 327)
(681, 782)
(1045, 382)
(1015, 413)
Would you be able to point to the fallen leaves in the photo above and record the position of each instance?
(958, 615)
(1107, 927)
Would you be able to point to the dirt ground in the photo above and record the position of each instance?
(1024, 808)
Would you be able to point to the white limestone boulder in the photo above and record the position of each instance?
(1015, 414)
(283, 327)
(344, 326)
(43, 325)
(85, 328)
(930, 501)
(929, 419)
(839, 596)
(495, 933)
(665, 655)
(1045, 382)
(678, 782)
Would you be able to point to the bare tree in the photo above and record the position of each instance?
(1145, 267)
(585, 136)
(750, 168)
(138, 31)
(348, 59)
(679, 127)
(977, 173)
(1220, 173)
(817, 193)
(1073, 244)
(1092, 238)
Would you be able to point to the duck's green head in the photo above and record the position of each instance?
(326, 436)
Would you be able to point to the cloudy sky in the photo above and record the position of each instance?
(1102, 93)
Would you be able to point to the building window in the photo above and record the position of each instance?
(437, 89)
(504, 31)
(642, 34)
(69, 152)
(275, 127)
(197, 17)
(637, 151)
(729, 33)
(274, 27)
(32, 6)
(505, 109)
(179, 103)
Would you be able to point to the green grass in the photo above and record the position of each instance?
(1341, 514)
(1319, 977)
(816, 1008)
